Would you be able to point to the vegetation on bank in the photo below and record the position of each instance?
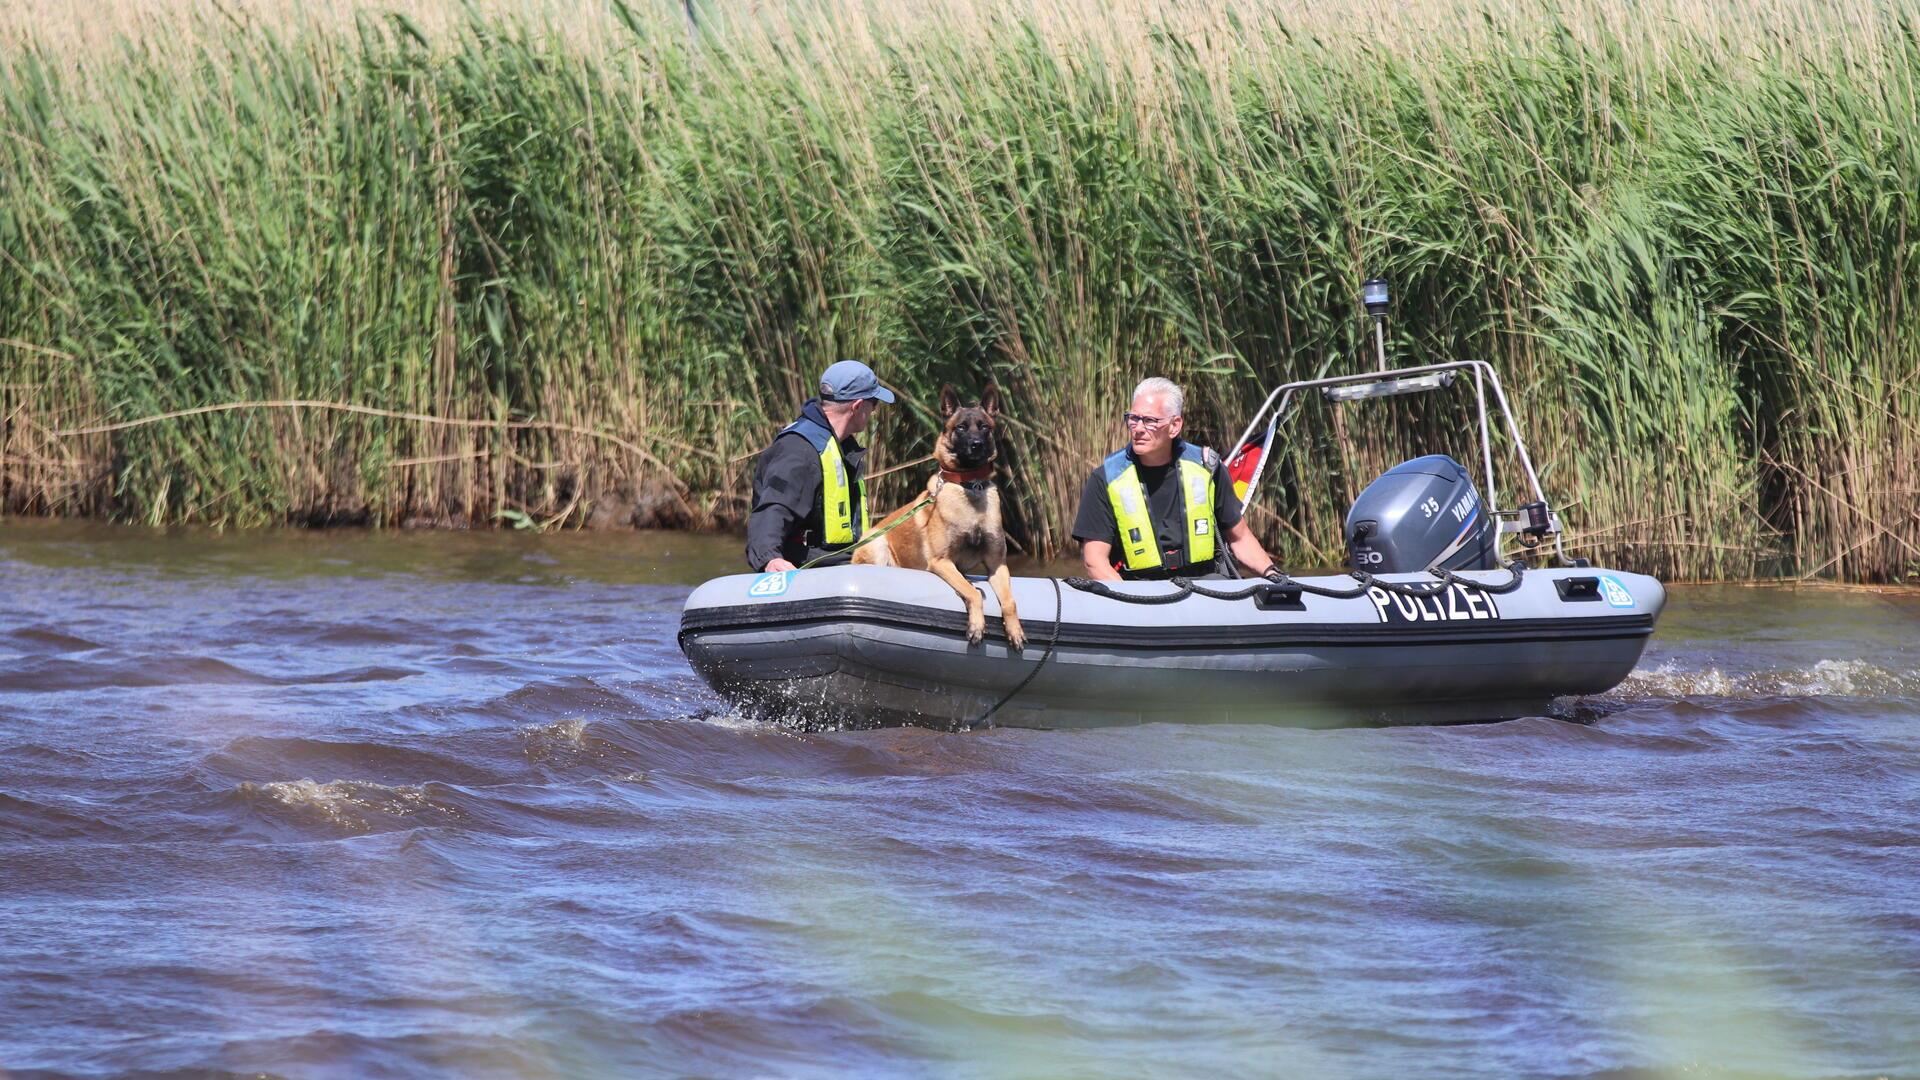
(495, 265)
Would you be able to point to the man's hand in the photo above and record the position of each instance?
(1274, 574)
(777, 565)
(1247, 550)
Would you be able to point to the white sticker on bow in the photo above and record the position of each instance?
(1616, 593)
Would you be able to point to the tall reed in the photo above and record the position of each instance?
(580, 269)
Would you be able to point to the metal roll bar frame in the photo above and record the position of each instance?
(1483, 374)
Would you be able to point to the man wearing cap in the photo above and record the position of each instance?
(809, 490)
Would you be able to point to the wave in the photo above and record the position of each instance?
(357, 806)
(1827, 678)
(467, 759)
(51, 818)
(59, 673)
(39, 639)
(574, 694)
(295, 631)
(52, 674)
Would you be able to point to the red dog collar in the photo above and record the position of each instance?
(971, 476)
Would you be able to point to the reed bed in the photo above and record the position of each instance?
(465, 264)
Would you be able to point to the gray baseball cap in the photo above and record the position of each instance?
(851, 380)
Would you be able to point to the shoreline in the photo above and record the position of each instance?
(727, 540)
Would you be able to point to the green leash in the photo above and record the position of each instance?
(869, 538)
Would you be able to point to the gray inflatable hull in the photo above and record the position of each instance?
(866, 645)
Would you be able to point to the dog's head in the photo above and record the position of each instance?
(967, 441)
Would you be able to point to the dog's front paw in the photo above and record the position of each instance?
(1016, 635)
(976, 629)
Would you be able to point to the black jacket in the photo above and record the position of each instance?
(787, 519)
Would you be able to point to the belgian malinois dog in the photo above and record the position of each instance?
(960, 529)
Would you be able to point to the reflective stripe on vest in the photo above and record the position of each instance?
(1139, 545)
(836, 511)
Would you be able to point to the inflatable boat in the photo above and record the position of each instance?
(863, 644)
(1434, 622)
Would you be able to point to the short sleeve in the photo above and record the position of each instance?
(1094, 521)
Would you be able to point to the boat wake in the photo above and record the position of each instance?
(1827, 678)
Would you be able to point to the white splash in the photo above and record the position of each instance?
(348, 804)
(1825, 678)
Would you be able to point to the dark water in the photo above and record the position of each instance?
(439, 805)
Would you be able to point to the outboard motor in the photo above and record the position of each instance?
(1419, 515)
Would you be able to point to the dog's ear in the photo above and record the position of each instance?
(990, 400)
(949, 401)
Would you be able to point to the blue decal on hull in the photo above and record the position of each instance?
(1616, 593)
(774, 584)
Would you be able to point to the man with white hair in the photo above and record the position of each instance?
(809, 489)
(1159, 507)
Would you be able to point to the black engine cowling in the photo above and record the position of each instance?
(1423, 514)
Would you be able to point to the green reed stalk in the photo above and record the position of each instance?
(616, 252)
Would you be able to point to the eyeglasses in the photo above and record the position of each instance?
(1151, 423)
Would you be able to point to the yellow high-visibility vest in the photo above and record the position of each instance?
(1139, 545)
(836, 508)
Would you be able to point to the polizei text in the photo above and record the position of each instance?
(1457, 604)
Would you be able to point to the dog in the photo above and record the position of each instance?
(960, 529)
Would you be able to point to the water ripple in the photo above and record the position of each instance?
(403, 813)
